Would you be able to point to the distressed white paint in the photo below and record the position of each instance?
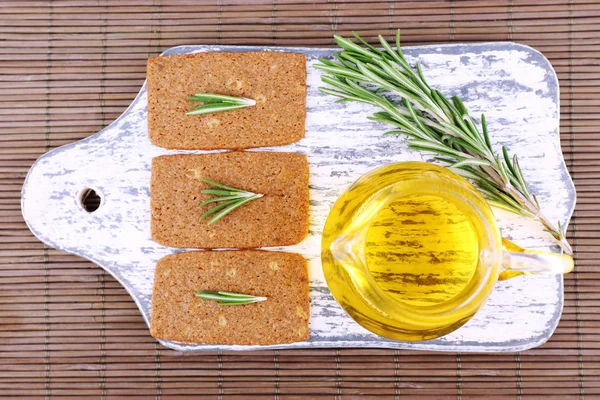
(514, 85)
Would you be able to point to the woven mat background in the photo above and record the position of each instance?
(68, 330)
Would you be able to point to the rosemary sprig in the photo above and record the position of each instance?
(229, 298)
(431, 122)
(217, 102)
(229, 198)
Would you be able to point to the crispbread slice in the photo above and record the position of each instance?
(275, 80)
(177, 314)
(279, 218)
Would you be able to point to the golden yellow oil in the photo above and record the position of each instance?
(401, 251)
(421, 249)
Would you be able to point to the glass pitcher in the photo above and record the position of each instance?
(412, 251)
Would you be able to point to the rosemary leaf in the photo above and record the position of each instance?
(221, 192)
(420, 72)
(232, 206)
(507, 160)
(344, 96)
(326, 61)
(470, 161)
(521, 179)
(337, 71)
(432, 122)
(220, 98)
(390, 51)
(218, 199)
(217, 102)
(229, 298)
(216, 209)
(351, 46)
(350, 59)
(414, 116)
(210, 108)
(372, 48)
(486, 135)
(230, 198)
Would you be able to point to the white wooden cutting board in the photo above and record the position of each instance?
(513, 84)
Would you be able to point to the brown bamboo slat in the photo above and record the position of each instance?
(68, 330)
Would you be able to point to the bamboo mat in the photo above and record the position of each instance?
(68, 330)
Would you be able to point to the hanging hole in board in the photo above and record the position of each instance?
(89, 200)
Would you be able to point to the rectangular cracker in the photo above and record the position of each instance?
(275, 80)
(177, 314)
(279, 218)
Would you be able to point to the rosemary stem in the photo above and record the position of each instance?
(227, 197)
(557, 233)
(431, 122)
(536, 213)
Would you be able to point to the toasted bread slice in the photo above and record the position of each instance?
(279, 218)
(275, 80)
(177, 314)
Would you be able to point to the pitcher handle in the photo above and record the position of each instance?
(518, 261)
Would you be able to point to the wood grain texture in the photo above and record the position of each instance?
(513, 84)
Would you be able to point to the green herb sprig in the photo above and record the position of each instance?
(229, 298)
(431, 122)
(217, 102)
(229, 198)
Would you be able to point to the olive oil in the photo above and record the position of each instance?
(421, 249)
(412, 251)
(402, 251)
